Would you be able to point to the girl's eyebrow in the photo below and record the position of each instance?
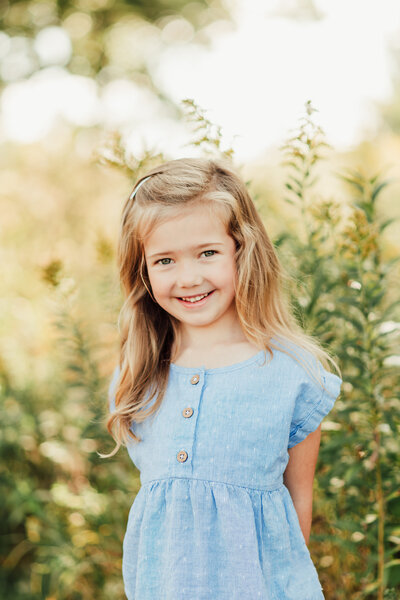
(192, 248)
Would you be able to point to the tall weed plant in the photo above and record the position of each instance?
(345, 293)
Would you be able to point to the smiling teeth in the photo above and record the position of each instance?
(196, 298)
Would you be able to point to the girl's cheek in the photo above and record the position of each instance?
(162, 284)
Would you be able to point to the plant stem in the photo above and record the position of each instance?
(381, 517)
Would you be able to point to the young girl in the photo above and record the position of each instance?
(218, 396)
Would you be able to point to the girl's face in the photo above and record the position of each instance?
(191, 255)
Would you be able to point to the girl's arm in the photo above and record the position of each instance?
(299, 476)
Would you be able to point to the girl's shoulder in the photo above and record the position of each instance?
(303, 366)
(292, 355)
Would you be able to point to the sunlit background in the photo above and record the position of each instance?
(251, 64)
(93, 92)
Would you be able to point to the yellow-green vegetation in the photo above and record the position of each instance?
(64, 510)
(107, 38)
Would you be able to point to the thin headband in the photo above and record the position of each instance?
(138, 186)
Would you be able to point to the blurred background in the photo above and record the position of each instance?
(304, 97)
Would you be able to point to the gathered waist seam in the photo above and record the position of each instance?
(271, 488)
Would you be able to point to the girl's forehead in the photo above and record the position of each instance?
(191, 221)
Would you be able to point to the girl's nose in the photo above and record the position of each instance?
(188, 275)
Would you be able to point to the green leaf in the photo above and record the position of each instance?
(352, 182)
(360, 326)
(376, 298)
(385, 314)
(299, 183)
(386, 223)
(377, 190)
(392, 563)
(290, 163)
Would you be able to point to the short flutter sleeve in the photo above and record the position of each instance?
(312, 404)
(112, 388)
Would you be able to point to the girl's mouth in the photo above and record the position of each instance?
(194, 302)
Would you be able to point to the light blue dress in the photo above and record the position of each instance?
(213, 519)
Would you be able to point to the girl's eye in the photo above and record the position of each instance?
(161, 259)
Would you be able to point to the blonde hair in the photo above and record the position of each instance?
(148, 332)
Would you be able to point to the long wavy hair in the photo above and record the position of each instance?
(148, 333)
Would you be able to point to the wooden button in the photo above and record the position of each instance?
(195, 379)
(182, 456)
(187, 412)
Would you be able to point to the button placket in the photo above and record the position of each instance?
(189, 414)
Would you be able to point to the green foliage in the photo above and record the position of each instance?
(209, 136)
(93, 27)
(113, 153)
(63, 508)
(344, 294)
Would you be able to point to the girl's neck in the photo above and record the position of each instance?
(221, 355)
(204, 344)
(225, 332)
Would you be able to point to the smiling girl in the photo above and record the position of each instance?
(226, 440)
